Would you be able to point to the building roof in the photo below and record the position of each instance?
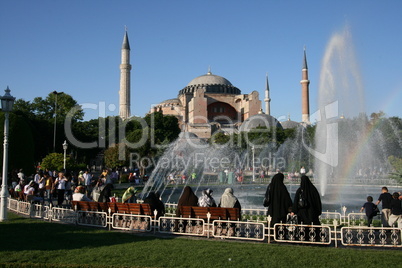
(304, 60)
(289, 124)
(259, 120)
(212, 84)
(174, 101)
(209, 79)
(126, 44)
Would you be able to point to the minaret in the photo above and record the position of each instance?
(267, 99)
(125, 69)
(305, 94)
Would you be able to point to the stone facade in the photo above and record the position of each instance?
(209, 103)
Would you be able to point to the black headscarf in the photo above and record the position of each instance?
(279, 199)
(187, 198)
(155, 203)
(312, 211)
(105, 193)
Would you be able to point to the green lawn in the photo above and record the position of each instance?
(35, 243)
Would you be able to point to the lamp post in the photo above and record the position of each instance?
(252, 149)
(65, 146)
(55, 115)
(7, 102)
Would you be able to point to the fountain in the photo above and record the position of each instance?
(348, 151)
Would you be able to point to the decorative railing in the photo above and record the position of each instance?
(238, 230)
(92, 218)
(348, 228)
(170, 209)
(371, 236)
(130, 222)
(182, 226)
(64, 215)
(301, 233)
(327, 218)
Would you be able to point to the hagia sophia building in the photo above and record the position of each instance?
(210, 103)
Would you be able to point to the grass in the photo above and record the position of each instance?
(35, 243)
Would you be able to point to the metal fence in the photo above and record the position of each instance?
(370, 236)
(348, 229)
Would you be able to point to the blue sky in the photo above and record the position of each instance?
(74, 47)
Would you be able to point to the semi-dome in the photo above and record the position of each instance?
(174, 101)
(259, 120)
(212, 84)
(289, 124)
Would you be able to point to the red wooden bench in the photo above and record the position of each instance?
(122, 208)
(81, 205)
(103, 206)
(216, 213)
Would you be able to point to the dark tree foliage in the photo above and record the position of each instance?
(21, 143)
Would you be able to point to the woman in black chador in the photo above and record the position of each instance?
(155, 203)
(307, 202)
(187, 198)
(277, 199)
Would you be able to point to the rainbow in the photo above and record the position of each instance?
(349, 162)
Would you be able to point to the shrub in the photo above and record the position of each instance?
(124, 178)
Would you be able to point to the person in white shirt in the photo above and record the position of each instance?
(302, 171)
(21, 175)
(61, 188)
(87, 182)
(79, 194)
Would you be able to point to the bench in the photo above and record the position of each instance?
(81, 205)
(217, 213)
(140, 209)
(126, 221)
(123, 208)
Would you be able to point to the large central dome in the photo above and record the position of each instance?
(209, 79)
(212, 84)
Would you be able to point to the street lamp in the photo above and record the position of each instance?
(65, 146)
(252, 149)
(7, 102)
(55, 115)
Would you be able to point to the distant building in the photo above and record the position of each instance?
(210, 103)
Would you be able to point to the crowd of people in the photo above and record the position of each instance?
(391, 208)
(188, 198)
(58, 188)
(305, 208)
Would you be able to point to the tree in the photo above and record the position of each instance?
(112, 156)
(45, 108)
(39, 116)
(374, 117)
(220, 138)
(396, 164)
(162, 127)
(86, 132)
(55, 161)
(21, 143)
(24, 108)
